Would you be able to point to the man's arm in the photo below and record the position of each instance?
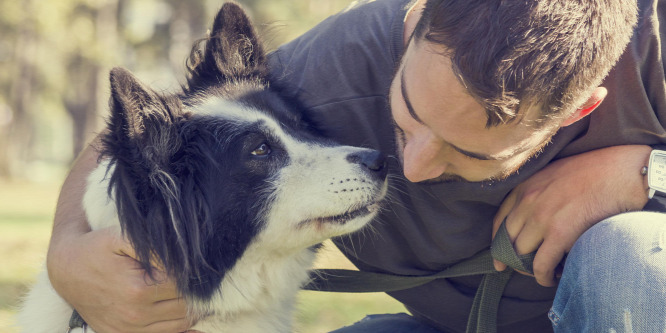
(94, 270)
(555, 206)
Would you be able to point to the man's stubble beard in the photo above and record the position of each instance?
(454, 178)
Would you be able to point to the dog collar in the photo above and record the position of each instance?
(75, 321)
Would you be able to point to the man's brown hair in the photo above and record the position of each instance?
(512, 54)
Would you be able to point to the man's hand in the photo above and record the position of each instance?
(97, 275)
(94, 270)
(555, 206)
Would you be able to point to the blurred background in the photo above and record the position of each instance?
(55, 56)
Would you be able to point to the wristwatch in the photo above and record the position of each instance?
(656, 173)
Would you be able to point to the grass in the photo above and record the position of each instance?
(323, 312)
(26, 212)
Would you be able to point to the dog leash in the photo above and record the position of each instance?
(482, 317)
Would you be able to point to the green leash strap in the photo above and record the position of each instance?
(483, 316)
(344, 280)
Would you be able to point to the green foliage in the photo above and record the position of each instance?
(26, 211)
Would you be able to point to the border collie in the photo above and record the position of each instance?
(223, 185)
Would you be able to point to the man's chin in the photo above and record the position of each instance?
(454, 178)
(445, 178)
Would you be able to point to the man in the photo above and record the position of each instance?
(490, 113)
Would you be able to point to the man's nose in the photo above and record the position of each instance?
(423, 159)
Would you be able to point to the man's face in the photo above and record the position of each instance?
(441, 131)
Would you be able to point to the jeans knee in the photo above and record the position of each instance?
(624, 240)
(615, 273)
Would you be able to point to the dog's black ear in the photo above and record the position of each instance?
(231, 52)
(141, 119)
(143, 141)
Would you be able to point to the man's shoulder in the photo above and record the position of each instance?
(360, 21)
(352, 52)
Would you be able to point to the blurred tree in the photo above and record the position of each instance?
(84, 63)
(22, 80)
(55, 57)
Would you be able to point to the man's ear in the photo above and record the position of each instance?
(595, 99)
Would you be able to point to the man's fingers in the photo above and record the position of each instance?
(175, 326)
(156, 287)
(529, 238)
(546, 261)
(144, 289)
(504, 210)
(162, 286)
(499, 266)
(169, 311)
(113, 292)
(165, 316)
(168, 326)
(165, 312)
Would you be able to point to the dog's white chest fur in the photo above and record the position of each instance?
(99, 206)
(257, 295)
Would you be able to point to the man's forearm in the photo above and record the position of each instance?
(71, 194)
(70, 219)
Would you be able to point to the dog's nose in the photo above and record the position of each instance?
(373, 161)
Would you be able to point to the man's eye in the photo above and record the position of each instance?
(262, 150)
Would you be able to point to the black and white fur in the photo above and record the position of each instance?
(223, 186)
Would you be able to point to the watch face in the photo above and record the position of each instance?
(657, 171)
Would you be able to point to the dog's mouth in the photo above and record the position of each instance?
(345, 217)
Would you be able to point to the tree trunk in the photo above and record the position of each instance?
(89, 80)
(21, 100)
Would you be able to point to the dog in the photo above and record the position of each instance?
(223, 185)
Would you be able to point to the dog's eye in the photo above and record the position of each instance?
(262, 150)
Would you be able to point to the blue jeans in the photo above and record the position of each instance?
(614, 281)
